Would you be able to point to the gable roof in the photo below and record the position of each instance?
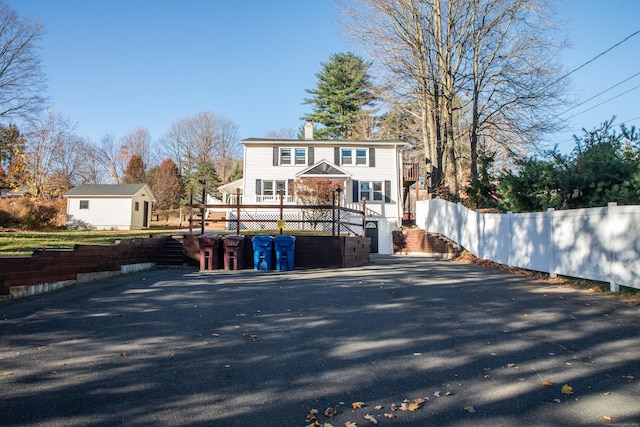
(323, 168)
(324, 142)
(108, 190)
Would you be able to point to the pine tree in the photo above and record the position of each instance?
(344, 88)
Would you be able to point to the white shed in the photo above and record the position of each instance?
(109, 206)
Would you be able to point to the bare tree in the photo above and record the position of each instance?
(110, 157)
(475, 70)
(51, 151)
(137, 143)
(282, 133)
(204, 138)
(22, 81)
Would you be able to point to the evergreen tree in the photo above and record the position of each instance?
(344, 88)
(236, 173)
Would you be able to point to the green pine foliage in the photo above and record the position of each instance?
(343, 90)
(603, 167)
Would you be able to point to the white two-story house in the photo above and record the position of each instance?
(366, 169)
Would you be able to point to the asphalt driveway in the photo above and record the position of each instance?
(458, 344)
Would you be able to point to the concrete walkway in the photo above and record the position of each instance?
(247, 348)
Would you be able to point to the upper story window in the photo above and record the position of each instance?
(84, 204)
(354, 156)
(285, 156)
(301, 156)
(293, 156)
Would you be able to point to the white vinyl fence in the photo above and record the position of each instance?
(597, 243)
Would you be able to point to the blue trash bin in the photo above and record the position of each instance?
(262, 252)
(285, 247)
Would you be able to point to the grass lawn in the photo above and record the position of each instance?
(23, 243)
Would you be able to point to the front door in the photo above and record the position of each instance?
(371, 231)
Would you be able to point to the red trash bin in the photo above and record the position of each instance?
(233, 252)
(210, 252)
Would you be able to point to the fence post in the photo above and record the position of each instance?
(614, 286)
(204, 201)
(281, 194)
(509, 238)
(364, 217)
(333, 213)
(237, 211)
(191, 211)
(552, 245)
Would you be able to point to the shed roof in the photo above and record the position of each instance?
(107, 190)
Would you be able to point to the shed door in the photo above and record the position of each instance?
(145, 213)
(371, 231)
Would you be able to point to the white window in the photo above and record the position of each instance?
(268, 187)
(365, 190)
(285, 156)
(361, 156)
(373, 191)
(358, 156)
(84, 204)
(346, 156)
(301, 156)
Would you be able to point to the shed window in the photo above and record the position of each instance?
(84, 204)
(136, 206)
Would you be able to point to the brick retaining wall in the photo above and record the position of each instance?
(51, 269)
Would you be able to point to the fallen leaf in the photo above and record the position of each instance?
(629, 377)
(378, 407)
(470, 409)
(567, 389)
(327, 425)
(449, 393)
(526, 315)
(557, 400)
(607, 417)
(414, 407)
(547, 383)
(316, 424)
(330, 412)
(419, 401)
(350, 424)
(311, 416)
(436, 394)
(403, 406)
(253, 337)
(394, 407)
(7, 374)
(371, 419)
(357, 405)
(123, 354)
(388, 415)
(512, 365)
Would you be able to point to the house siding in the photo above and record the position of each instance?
(383, 165)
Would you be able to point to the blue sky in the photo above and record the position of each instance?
(114, 65)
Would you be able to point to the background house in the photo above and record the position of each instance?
(369, 169)
(106, 207)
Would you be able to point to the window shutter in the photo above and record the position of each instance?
(310, 153)
(258, 187)
(355, 189)
(336, 156)
(372, 157)
(387, 191)
(275, 156)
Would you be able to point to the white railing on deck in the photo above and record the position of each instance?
(595, 243)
